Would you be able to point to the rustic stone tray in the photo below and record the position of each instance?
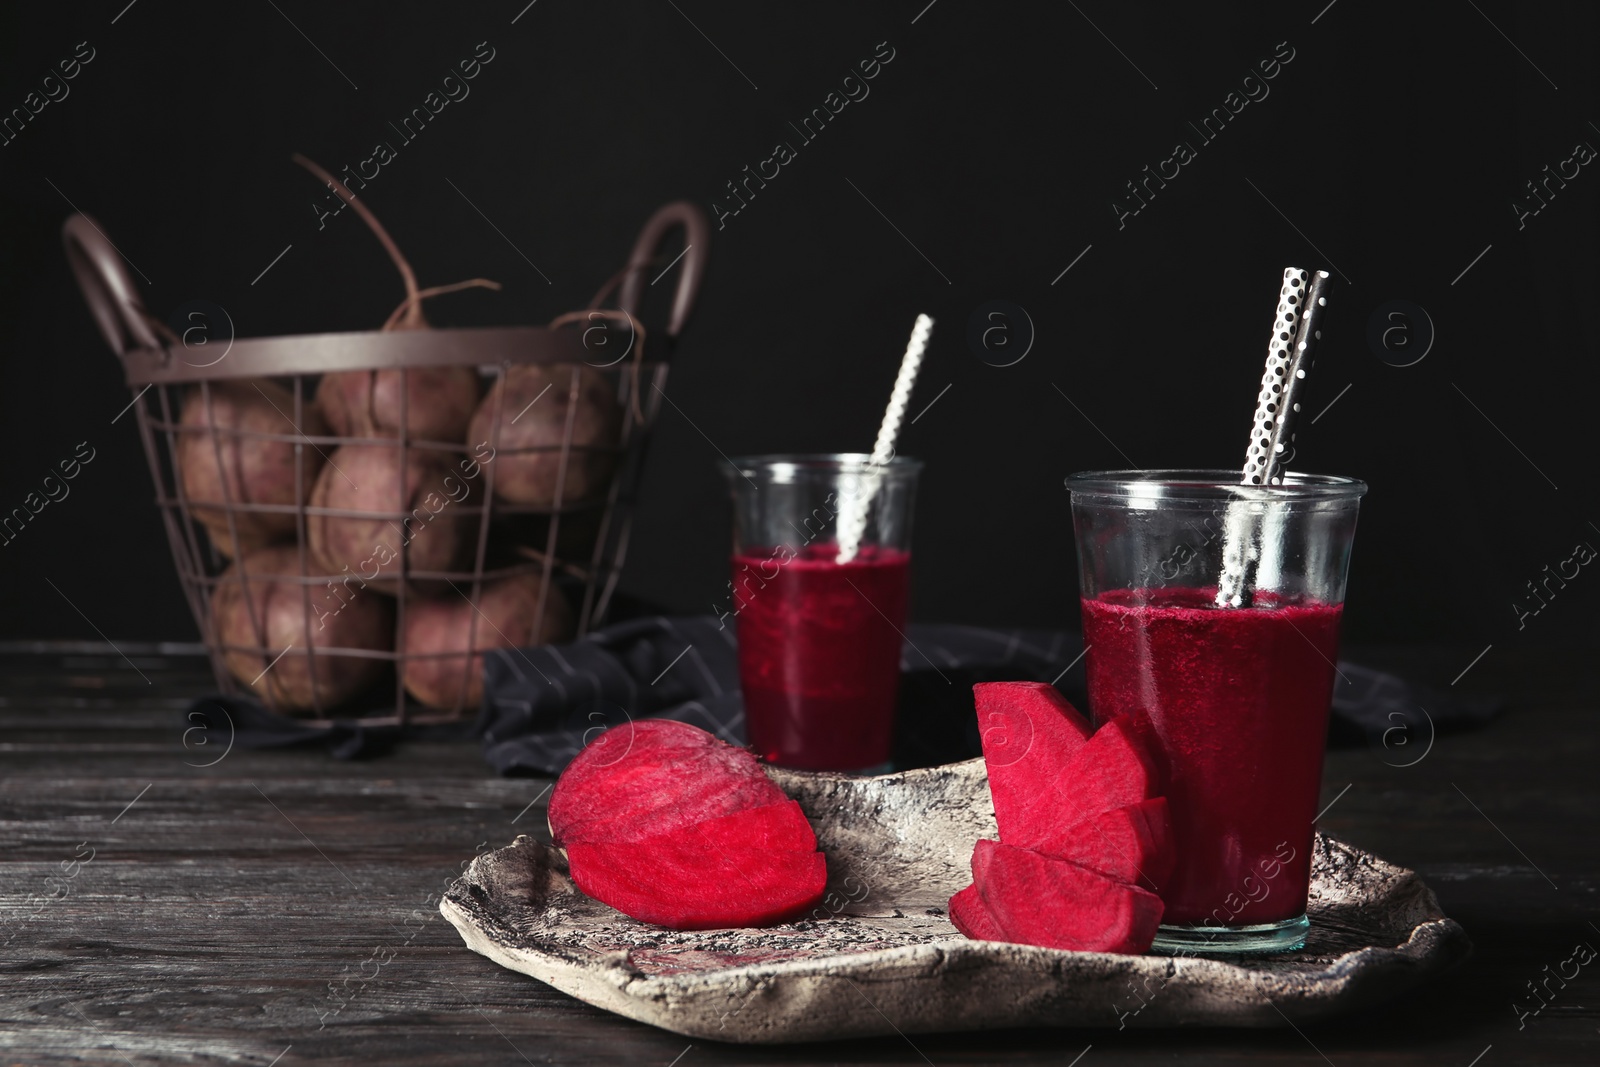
(879, 956)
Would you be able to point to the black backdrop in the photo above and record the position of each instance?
(1390, 148)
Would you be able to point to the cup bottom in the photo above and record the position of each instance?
(1283, 936)
(886, 767)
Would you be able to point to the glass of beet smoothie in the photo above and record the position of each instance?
(820, 636)
(1237, 695)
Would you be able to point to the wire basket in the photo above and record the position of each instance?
(511, 540)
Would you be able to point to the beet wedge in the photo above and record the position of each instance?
(968, 915)
(1131, 844)
(1030, 734)
(646, 778)
(1037, 900)
(1115, 769)
(677, 882)
(1112, 770)
(780, 827)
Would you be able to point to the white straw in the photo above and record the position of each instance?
(1248, 553)
(857, 493)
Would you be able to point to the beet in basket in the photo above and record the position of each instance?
(352, 513)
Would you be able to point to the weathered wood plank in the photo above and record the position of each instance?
(212, 927)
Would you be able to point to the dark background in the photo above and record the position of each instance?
(995, 142)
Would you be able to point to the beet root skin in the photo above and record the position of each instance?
(283, 620)
(506, 616)
(252, 470)
(436, 528)
(439, 402)
(533, 401)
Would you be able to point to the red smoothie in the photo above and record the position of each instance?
(819, 653)
(1239, 699)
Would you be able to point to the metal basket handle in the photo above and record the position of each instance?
(111, 293)
(696, 244)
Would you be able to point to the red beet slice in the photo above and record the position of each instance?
(1140, 729)
(1130, 844)
(1030, 733)
(1112, 771)
(1038, 900)
(968, 915)
(679, 882)
(1164, 848)
(652, 777)
(1047, 772)
(781, 827)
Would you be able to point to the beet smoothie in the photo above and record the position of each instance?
(1239, 699)
(819, 653)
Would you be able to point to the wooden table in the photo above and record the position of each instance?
(280, 907)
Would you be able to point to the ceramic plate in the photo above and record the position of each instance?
(878, 955)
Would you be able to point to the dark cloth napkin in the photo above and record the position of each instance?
(542, 705)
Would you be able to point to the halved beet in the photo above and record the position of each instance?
(677, 881)
(631, 742)
(1038, 900)
(1030, 733)
(646, 778)
(781, 827)
(667, 824)
(968, 915)
(1131, 844)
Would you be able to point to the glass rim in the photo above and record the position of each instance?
(1208, 484)
(787, 466)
